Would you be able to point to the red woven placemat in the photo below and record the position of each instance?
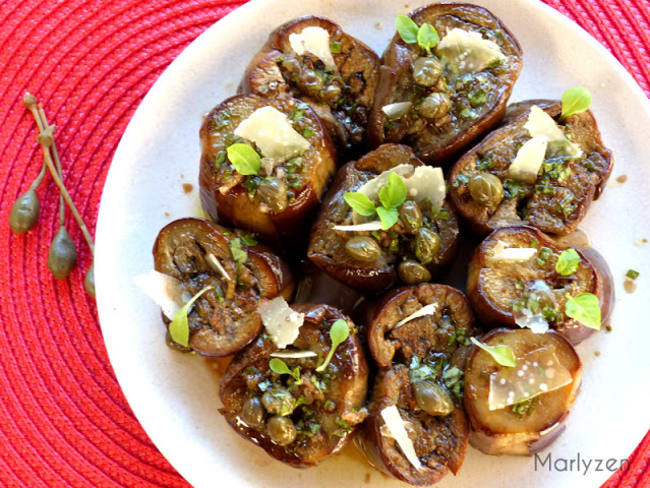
(65, 421)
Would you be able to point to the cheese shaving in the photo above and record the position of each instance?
(294, 354)
(313, 40)
(164, 290)
(395, 425)
(280, 321)
(429, 309)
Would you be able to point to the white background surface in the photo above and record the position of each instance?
(174, 396)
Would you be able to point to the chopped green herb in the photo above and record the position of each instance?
(525, 408)
(239, 255)
(543, 256)
(179, 328)
(568, 262)
(220, 158)
(335, 47)
(460, 179)
(248, 239)
(339, 332)
(307, 132)
(468, 113)
(632, 274)
(478, 97)
(511, 189)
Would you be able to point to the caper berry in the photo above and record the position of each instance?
(89, 281)
(363, 249)
(24, 212)
(410, 216)
(281, 430)
(434, 106)
(273, 192)
(427, 245)
(411, 272)
(486, 189)
(433, 398)
(63, 254)
(253, 412)
(278, 401)
(426, 71)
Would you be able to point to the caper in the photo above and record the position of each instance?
(273, 192)
(427, 245)
(291, 64)
(411, 272)
(363, 249)
(486, 189)
(426, 71)
(313, 81)
(24, 212)
(278, 401)
(410, 216)
(434, 106)
(63, 254)
(281, 430)
(332, 92)
(89, 281)
(433, 398)
(253, 412)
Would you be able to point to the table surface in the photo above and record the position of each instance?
(65, 419)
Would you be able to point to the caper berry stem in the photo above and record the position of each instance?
(50, 130)
(39, 179)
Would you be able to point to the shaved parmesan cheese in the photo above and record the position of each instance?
(469, 51)
(371, 187)
(514, 254)
(429, 309)
(313, 40)
(366, 227)
(272, 132)
(535, 322)
(280, 321)
(294, 354)
(540, 123)
(538, 372)
(164, 290)
(217, 266)
(396, 110)
(529, 159)
(397, 431)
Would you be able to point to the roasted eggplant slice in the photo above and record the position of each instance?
(418, 336)
(196, 254)
(303, 416)
(520, 410)
(439, 102)
(264, 164)
(513, 280)
(312, 59)
(536, 170)
(355, 250)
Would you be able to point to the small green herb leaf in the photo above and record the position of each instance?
(360, 203)
(278, 366)
(502, 354)
(335, 47)
(427, 37)
(248, 239)
(244, 159)
(239, 255)
(388, 217)
(339, 332)
(179, 328)
(393, 193)
(568, 262)
(632, 274)
(407, 29)
(584, 308)
(575, 100)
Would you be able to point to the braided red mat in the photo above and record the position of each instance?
(65, 421)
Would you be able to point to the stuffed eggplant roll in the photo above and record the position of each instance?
(300, 404)
(520, 277)
(385, 217)
(520, 408)
(312, 59)
(416, 429)
(540, 169)
(264, 164)
(445, 79)
(219, 277)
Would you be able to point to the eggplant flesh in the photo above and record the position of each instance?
(342, 96)
(558, 199)
(224, 319)
(467, 104)
(500, 291)
(327, 246)
(527, 427)
(324, 408)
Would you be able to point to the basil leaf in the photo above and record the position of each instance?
(244, 159)
(502, 354)
(427, 37)
(360, 203)
(407, 29)
(239, 255)
(339, 332)
(179, 328)
(585, 308)
(393, 193)
(568, 262)
(575, 100)
(388, 217)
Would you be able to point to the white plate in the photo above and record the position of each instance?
(174, 396)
